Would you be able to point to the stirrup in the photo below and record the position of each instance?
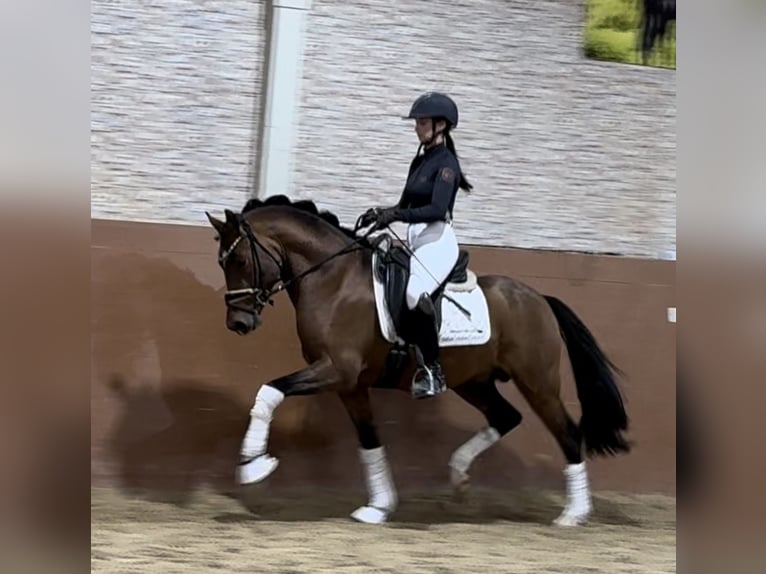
(428, 382)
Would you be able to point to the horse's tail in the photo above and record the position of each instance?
(603, 413)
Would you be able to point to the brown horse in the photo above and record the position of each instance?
(327, 270)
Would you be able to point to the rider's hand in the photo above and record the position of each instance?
(385, 217)
(368, 217)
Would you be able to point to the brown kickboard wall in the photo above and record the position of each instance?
(171, 387)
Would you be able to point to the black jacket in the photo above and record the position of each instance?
(431, 188)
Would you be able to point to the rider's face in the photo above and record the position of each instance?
(424, 128)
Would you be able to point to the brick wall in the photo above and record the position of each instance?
(564, 152)
(176, 90)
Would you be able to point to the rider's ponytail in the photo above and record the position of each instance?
(451, 146)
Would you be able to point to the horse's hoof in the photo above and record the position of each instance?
(370, 515)
(460, 480)
(568, 519)
(257, 469)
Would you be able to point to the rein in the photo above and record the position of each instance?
(234, 297)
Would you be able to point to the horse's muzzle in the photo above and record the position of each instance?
(242, 323)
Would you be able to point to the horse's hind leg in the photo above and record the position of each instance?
(501, 418)
(382, 498)
(541, 390)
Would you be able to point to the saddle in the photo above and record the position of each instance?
(392, 269)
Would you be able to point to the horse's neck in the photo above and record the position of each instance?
(303, 250)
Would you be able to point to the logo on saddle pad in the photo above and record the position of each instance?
(463, 314)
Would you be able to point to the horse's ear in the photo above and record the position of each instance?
(216, 223)
(231, 217)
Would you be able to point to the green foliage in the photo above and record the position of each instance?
(612, 30)
(620, 15)
(613, 45)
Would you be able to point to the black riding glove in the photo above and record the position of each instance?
(386, 217)
(367, 218)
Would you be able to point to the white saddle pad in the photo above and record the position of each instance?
(457, 329)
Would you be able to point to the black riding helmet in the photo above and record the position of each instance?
(434, 105)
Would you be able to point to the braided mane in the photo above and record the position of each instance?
(304, 205)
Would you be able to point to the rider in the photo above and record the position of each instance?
(426, 204)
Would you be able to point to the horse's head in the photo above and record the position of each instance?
(251, 270)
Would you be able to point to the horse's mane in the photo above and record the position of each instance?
(304, 205)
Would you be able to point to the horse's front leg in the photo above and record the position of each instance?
(382, 497)
(255, 463)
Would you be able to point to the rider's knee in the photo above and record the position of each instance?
(413, 297)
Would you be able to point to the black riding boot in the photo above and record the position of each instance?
(429, 379)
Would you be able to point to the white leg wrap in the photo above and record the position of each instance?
(579, 505)
(257, 436)
(380, 487)
(259, 465)
(463, 457)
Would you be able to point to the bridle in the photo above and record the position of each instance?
(261, 296)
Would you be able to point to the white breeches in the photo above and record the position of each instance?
(436, 252)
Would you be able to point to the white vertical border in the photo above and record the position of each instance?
(282, 94)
